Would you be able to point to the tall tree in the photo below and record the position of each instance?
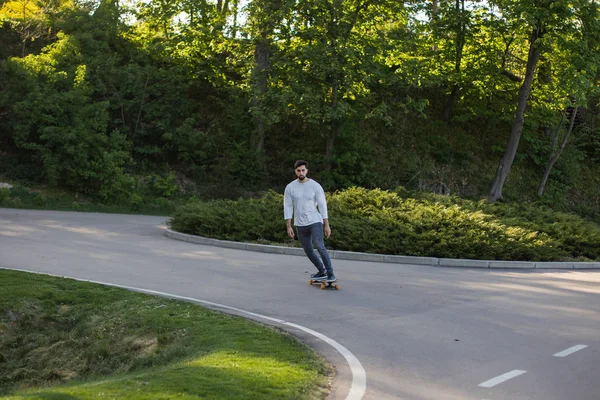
(517, 128)
(576, 60)
(265, 17)
(460, 22)
(544, 19)
(557, 148)
(334, 46)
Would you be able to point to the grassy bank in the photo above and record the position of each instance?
(59, 200)
(64, 339)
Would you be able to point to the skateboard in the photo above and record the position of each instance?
(325, 284)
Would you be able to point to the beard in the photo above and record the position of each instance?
(301, 177)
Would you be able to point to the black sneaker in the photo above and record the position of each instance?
(318, 275)
(331, 277)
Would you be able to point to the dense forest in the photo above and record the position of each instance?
(492, 100)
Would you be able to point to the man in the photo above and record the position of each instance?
(302, 196)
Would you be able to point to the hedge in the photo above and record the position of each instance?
(393, 222)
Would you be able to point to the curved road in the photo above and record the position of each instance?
(419, 332)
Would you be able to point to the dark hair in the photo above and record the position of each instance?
(300, 163)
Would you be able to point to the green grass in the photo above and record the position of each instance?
(55, 199)
(64, 339)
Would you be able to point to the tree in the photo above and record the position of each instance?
(333, 56)
(576, 61)
(545, 19)
(515, 135)
(265, 17)
(62, 128)
(31, 19)
(460, 22)
(556, 151)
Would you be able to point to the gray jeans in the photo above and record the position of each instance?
(313, 235)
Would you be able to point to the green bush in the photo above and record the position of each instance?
(136, 201)
(388, 222)
(40, 200)
(4, 195)
(59, 126)
(165, 186)
(423, 227)
(244, 220)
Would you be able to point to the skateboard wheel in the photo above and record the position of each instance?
(322, 286)
(337, 287)
(310, 282)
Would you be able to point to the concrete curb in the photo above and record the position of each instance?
(385, 258)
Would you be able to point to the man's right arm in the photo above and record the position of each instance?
(288, 210)
(290, 229)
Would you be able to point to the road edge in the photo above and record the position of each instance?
(385, 258)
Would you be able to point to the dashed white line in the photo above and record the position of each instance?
(359, 375)
(570, 350)
(502, 378)
(516, 372)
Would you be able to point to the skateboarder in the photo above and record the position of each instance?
(301, 199)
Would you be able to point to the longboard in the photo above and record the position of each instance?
(325, 283)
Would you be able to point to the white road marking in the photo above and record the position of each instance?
(502, 378)
(570, 350)
(359, 375)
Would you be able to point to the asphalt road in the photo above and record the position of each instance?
(419, 332)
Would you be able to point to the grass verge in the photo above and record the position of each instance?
(55, 199)
(64, 339)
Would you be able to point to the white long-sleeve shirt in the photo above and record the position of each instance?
(301, 201)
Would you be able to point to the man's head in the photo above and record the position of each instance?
(301, 169)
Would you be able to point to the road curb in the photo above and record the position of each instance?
(384, 258)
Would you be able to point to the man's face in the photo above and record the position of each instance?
(301, 172)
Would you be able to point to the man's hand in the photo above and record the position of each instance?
(327, 231)
(290, 231)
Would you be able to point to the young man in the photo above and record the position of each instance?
(301, 199)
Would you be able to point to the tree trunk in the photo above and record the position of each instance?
(459, 45)
(554, 156)
(334, 127)
(142, 103)
(447, 112)
(517, 128)
(434, 24)
(236, 10)
(340, 38)
(260, 75)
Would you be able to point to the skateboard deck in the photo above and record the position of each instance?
(325, 283)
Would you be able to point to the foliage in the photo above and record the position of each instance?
(63, 128)
(99, 97)
(388, 222)
(245, 220)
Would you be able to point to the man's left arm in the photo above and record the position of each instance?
(322, 204)
(326, 227)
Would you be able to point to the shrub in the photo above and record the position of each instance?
(4, 195)
(165, 186)
(245, 220)
(387, 222)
